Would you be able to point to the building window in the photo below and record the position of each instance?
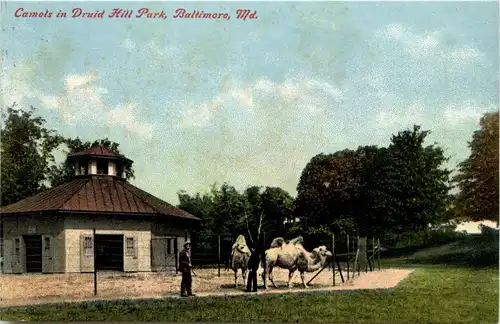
(169, 246)
(87, 245)
(47, 243)
(17, 245)
(130, 246)
(102, 167)
(82, 170)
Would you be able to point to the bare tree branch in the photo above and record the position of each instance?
(260, 225)
(248, 228)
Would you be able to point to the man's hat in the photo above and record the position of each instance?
(187, 243)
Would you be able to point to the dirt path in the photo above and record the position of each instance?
(18, 290)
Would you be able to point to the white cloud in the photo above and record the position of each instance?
(464, 55)
(467, 112)
(127, 116)
(81, 100)
(390, 119)
(128, 44)
(14, 84)
(294, 96)
(199, 116)
(262, 132)
(77, 80)
(161, 56)
(430, 43)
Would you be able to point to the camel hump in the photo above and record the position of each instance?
(277, 242)
(297, 240)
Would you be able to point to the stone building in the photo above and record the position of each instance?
(52, 232)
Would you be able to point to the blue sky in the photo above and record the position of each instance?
(194, 102)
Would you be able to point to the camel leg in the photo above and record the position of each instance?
(290, 275)
(236, 278)
(244, 275)
(302, 276)
(265, 267)
(271, 277)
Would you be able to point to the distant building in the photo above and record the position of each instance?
(291, 220)
(52, 232)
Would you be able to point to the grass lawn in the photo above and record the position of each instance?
(435, 294)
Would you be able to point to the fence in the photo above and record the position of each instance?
(1, 255)
(352, 254)
(164, 253)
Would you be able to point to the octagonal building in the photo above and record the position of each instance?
(52, 232)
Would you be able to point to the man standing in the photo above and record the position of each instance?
(253, 266)
(185, 269)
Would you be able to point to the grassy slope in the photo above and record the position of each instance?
(439, 293)
(471, 252)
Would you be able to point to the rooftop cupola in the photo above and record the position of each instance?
(99, 161)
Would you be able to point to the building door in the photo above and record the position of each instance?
(48, 254)
(33, 245)
(109, 252)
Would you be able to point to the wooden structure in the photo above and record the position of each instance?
(357, 257)
(52, 232)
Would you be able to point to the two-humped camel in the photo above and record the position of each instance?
(239, 259)
(293, 256)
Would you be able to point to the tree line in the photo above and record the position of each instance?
(374, 191)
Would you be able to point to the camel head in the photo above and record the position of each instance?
(322, 252)
(241, 245)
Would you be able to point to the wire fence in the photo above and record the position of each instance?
(352, 254)
(1, 255)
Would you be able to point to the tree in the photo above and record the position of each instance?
(406, 187)
(27, 150)
(203, 207)
(59, 174)
(478, 174)
(225, 211)
(222, 212)
(330, 191)
(277, 205)
(374, 191)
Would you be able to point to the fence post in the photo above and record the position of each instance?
(374, 254)
(378, 253)
(348, 257)
(176, 256)
(334, 259)
(359, 254)
(218, 254)
(95, 263)
(355, 264)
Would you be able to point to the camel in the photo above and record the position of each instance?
(293, 256)
(239, 258)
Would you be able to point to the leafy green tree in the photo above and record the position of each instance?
(330, 191)
(225, 211)
(277, 205)
(231, 208)
(406, 187)
(375, 191)
(63, 172)
(203, 207)
(478, 174)
(26, 152)
(254, 212)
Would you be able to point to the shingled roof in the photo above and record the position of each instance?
(97, 194)
(98, 151)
